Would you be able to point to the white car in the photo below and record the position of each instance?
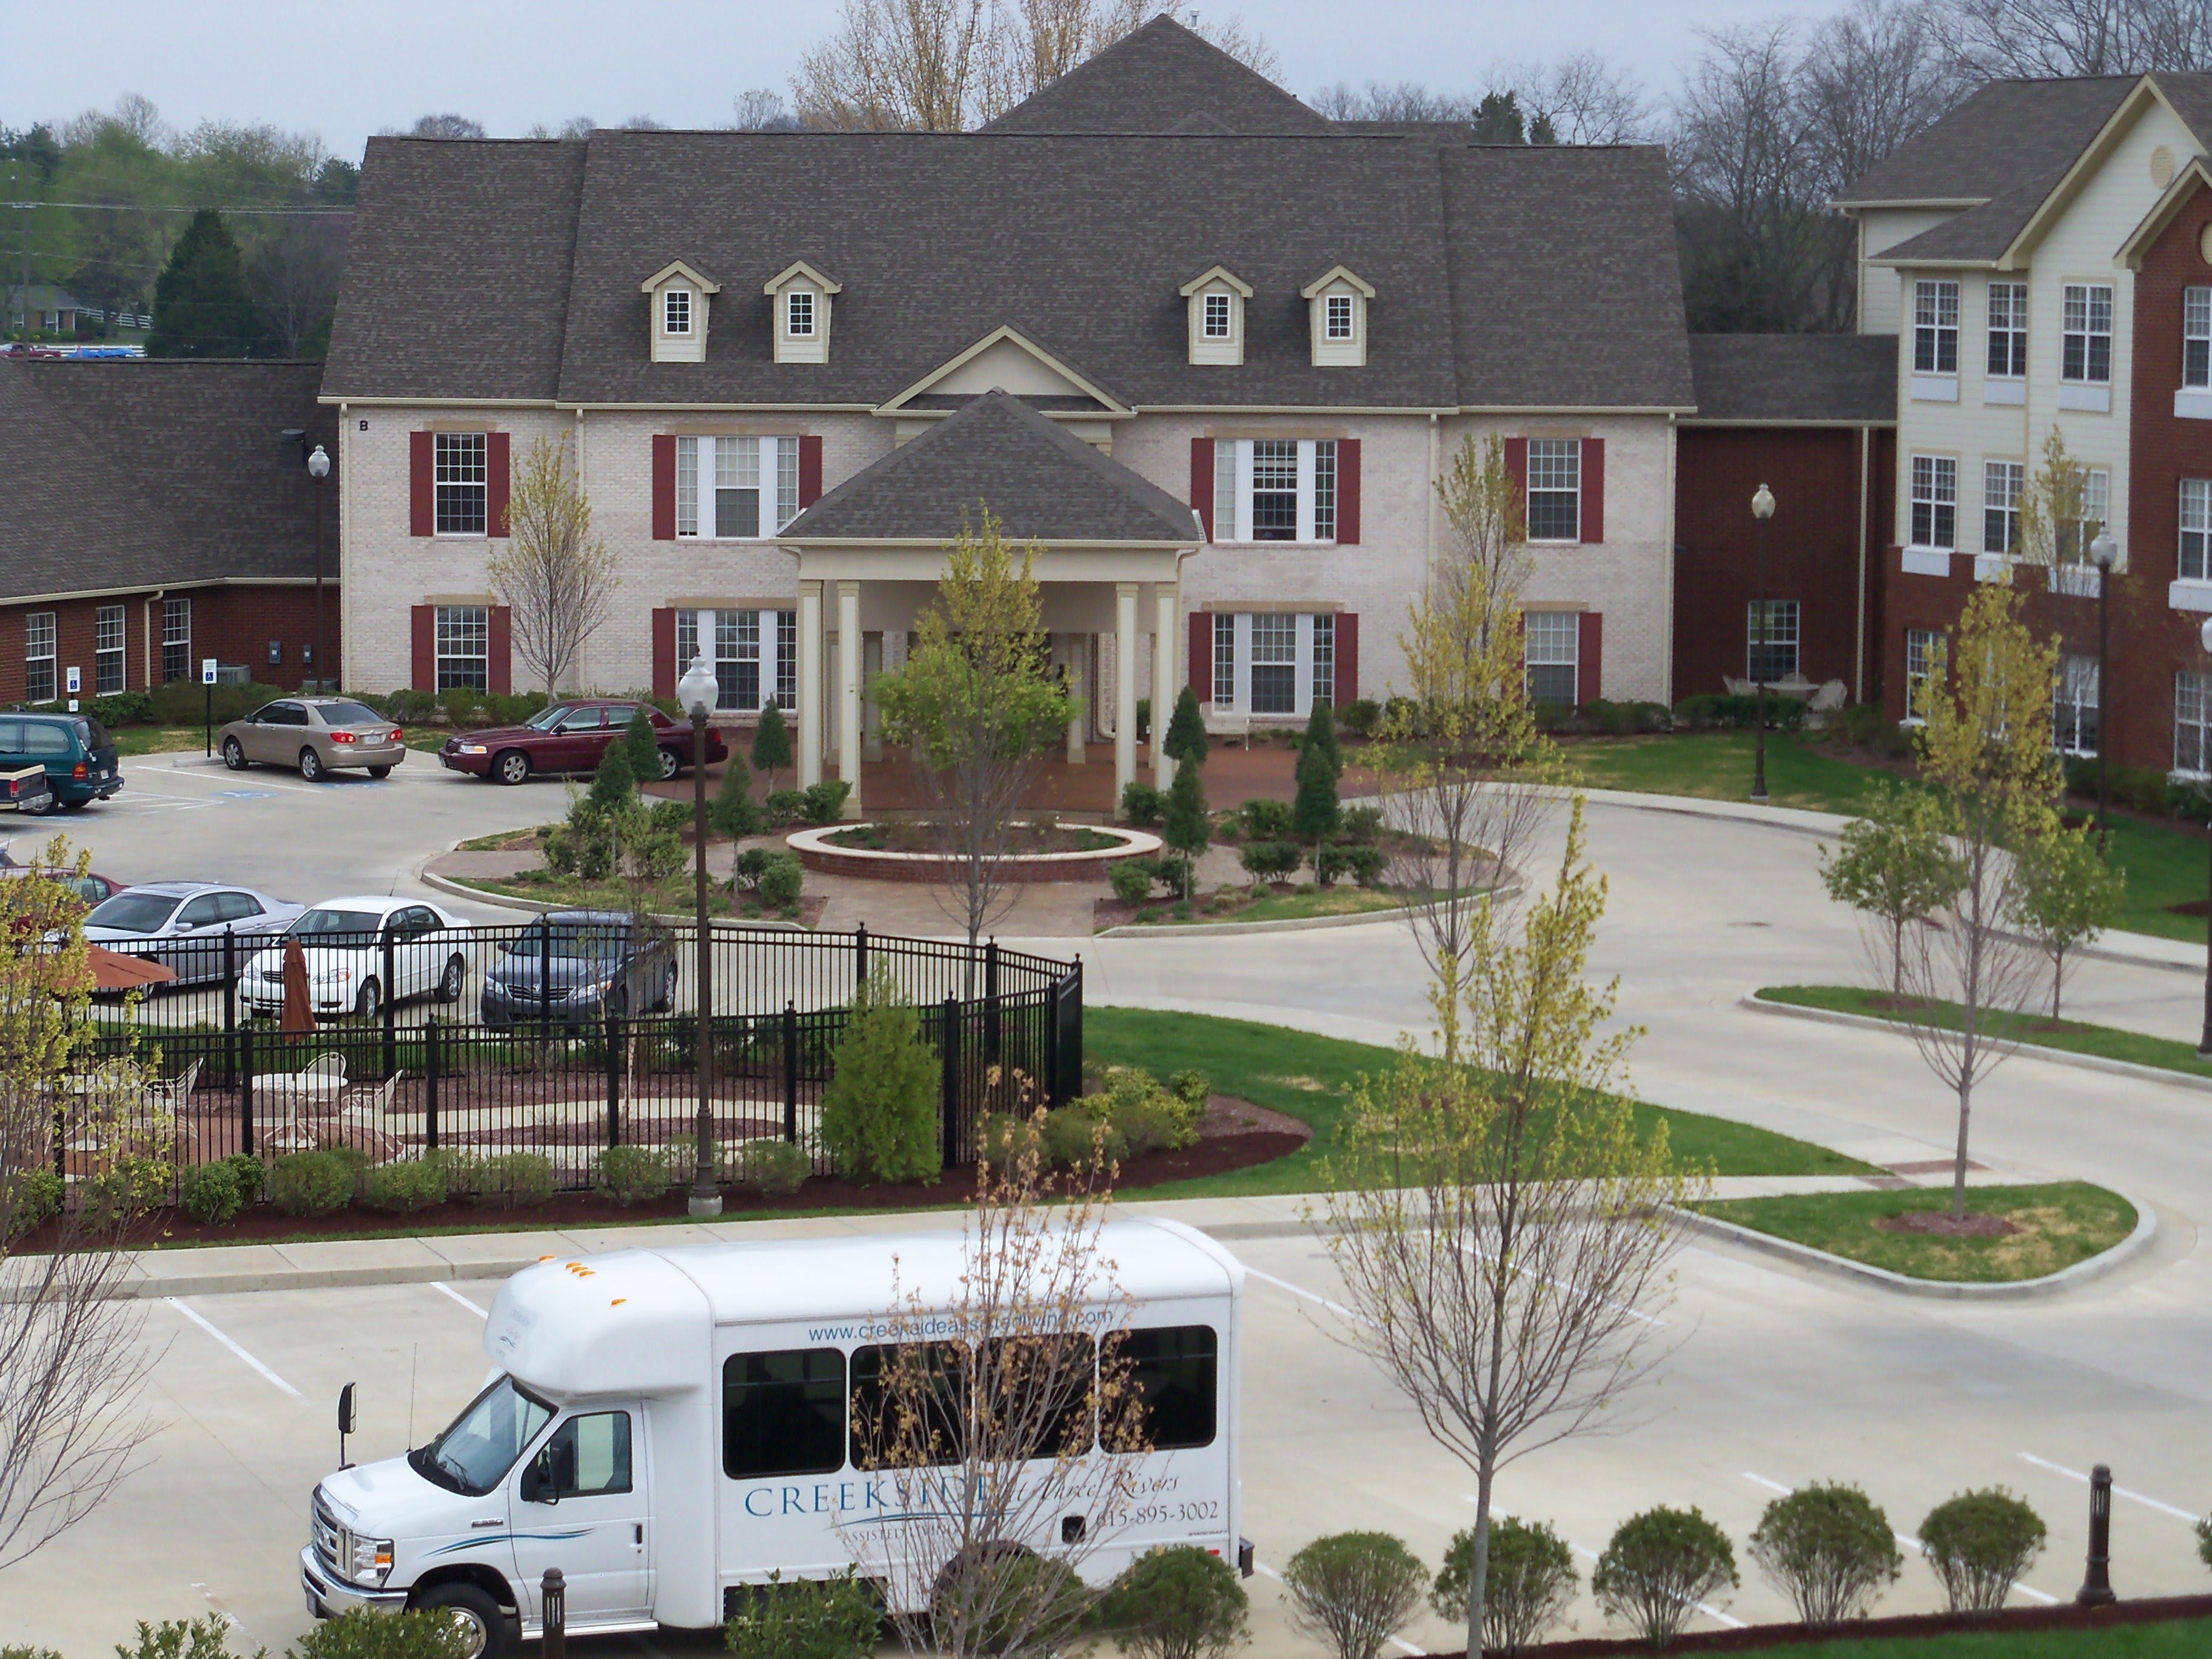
(362, 951)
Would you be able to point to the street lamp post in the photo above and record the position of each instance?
(2106, 552)
(2204, 1042)
(1762, 509)
(318, 468)
(697, 691)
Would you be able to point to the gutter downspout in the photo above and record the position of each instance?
(1866, 483)
(348, 605)
(146, 634)
(1666, 655)
(1428, 532)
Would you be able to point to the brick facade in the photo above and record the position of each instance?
(235, 624)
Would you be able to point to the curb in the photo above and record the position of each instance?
(2033, 1051)
(540, 907)
(1858, 1273)
(1214, 929)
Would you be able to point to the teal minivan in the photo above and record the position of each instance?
(74, 749)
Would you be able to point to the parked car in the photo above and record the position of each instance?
(597, 962)
(570, 736)
(27, 791)
(78, 755)
(343, 941)
(91, 887)
(316, 735)
(180, 924)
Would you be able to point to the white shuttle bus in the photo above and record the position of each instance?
(665, 1425)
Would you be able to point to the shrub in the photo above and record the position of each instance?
(1658, 1567)
(406, 1185)
(1023, 1605)
(1364, 864)
(1072, 1137)
(771, 742)
(310, 1183)
(206, 1637)
(1402, 718)
(631, 1175)
(1360, 717)
(1354, 1591)
(211, 1193)
(879, 1112)
(249, 1173)
(1005, 1140)
(122, 708)
(783, 807)
(512, 1179)
(28, 1653)
(1865, 724)
(671, 817)
(1360, 826)
(1131, 880)
(773, 1168)
(1830, 1549)
(733, 813)
(1191, 1087)
(824, 802)
(1142, 805)
(1147, 1126)
(1177, 1603)
(1979, 1542)
(1265, 820)
(1187, 826)
(34, 1197)
(1270, 861)
(2203, 1540)
(1173, 871)
(1529, 1584)
(807, 1618)
(782, 881)
(368, 1633)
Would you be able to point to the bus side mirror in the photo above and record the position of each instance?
(345, 1422)
(538, 1485)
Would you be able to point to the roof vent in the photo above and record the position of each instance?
(2161, 166)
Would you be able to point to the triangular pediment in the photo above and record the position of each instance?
(1006, 360)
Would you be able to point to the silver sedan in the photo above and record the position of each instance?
(180, 924)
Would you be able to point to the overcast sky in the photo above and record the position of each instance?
(347, 70)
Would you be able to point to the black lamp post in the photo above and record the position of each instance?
(697, 691)
(317, 463)
(1762, 509)
(2105, 553)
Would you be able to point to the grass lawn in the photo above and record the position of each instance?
(1307, 1076)
(2174, 1640)
(1302, 905)
(157, 739)
(2075, 1037)
(2060, 1225)
(674, 898)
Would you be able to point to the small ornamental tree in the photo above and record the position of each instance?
(1188, 827)
(1186, 739)
(1531, 1582)
(1177, 1603)
(614, 785)
(1314, 812)
(1354, 1591)
(1892, 866)
(1980, 1542)
(642, 747)
(1830, 1550)
(2069, 895)
(879, 1112)
(772, 743)
(1657, 1568)
(734, 813)
(556, 578)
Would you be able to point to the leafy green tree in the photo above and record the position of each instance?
(1313, 811)
(201, 305)
(2070, 894)
(1188, 827)
(1186, 742)
(879, 1112)
(642, 744)
(1894, 864)
(614, 785)
(772, 743)
(734, 813)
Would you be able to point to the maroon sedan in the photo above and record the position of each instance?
(570, 736)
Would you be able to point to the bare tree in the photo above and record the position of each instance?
(761, 109)
(558, 577)
(1580, 99)
(1503, 1231)
(445, 126)
(72, 1364)
(293, 275)
(980, 1418)
(1873, 75)
(2030, 39)
(1407, 101)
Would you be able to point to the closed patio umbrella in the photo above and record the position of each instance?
(299, 1016)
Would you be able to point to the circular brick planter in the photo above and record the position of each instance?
(816, 853)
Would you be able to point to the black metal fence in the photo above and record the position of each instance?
(517, 1038)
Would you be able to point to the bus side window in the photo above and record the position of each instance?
(933, 1376)
(1173, 1370)
(783, 1413)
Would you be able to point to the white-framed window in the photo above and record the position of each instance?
(1934, 328)
(1275, 489)
(1552, 651)
(1218, 315)
(1771, 654)
(2008, 330)
(2086, 344)
(1337, 317)
(459, 483)
(176, 640)
(755, 653)
(107, 662)
(2074, 535)
(2192, 725)
(1934, 502)
(2197, 337)
(1922, 646)
(2002, 482)
(1555, 490)
(735, 489)
(2197, 530)
(464, 641)
(1274, 662)
(799, 313)
(2073, 706)
(675, 311)
(41, 681)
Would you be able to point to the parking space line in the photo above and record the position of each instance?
(1334, 1307)
(1772, 1485)
(1618, 1307)
(1589, 1555)
(437, 1284)
(1262, 1566)
(226, 1341)
(2118, 1490)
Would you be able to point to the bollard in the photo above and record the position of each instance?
(553, 1598)
(2096, 1589)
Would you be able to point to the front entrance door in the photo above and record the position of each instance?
(583, 1504)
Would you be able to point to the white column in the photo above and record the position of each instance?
(1163, 679)
(810, 684)
(1079, 652)
(848, 692)
(1125, 689)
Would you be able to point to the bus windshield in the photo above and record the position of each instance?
(475, 1453)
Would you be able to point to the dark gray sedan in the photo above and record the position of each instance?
(575, 967)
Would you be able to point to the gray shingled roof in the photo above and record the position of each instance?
(1795, 377)
(1162, 78)
(137, 472)
(1040, 480)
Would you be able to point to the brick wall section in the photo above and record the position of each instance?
(232, 624)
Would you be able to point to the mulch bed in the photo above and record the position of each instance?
(2150, 1610)
(1943, 1224)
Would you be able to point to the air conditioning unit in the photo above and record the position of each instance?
(233, 673)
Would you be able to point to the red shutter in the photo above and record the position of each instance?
(1347, 657)
(1593, 489)
(1201, 499)
(664, 653)
(499, 651)
(1347, 492)
(421, 495)
(1517, 468)
(1589, 658)
(1201, 654)
(664, 487)
(496, 482)
(810, 473)
(422, 628)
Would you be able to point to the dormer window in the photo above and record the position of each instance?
(1338, 328)
(799, 297)
(1217, 316)
(678, 321)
